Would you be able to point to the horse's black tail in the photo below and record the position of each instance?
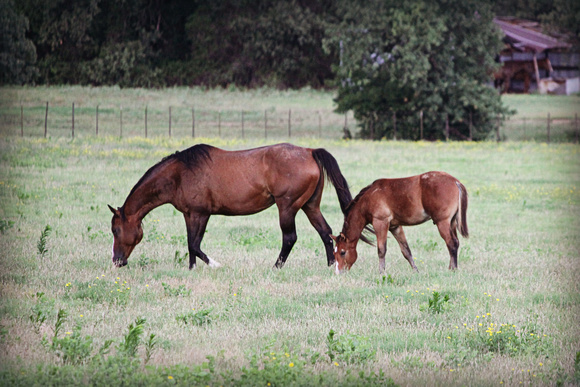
(462, 211)
(329, 166)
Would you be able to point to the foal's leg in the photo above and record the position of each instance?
(196, 224)
(289, 237)
(317, 220)
(381, 230)
(399, 235)
(449, 235)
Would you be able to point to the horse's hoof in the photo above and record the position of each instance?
(213, 263)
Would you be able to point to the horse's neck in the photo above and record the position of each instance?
(355, 222)
(146, 197)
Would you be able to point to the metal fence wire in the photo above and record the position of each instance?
(148, 121)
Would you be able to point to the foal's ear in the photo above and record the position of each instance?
(115, 212)
(333, 238)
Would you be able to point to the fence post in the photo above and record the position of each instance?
(243, 135)
(576, 128)
(169, 121)
(192, 122)
(395, 126)
(497, 129)
(73, 120)
(265, 123)
(220, 124)
(524, 128)
(289, 123)
(470, 126)
(446, 127)
(320, 124)
(421, 124)
(548, 128)
(121, 121)
(46, 120)
(21, 121)
(97, 121)
(146, 121)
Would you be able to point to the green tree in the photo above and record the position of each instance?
(252, 43)
(400, 59)
(17, 52)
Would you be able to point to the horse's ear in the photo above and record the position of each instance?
(115, 212)
(333, 237)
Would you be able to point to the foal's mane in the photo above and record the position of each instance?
(368, 228)
(191, 158)
(356, 199)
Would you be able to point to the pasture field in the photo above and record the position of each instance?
(218, 113)
(508, 316)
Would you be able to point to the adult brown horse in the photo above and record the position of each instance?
(204, 180)
(390, 204)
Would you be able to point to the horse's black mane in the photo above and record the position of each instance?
(191, 157)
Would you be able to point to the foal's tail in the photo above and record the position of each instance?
(329, 166)
(462, 211)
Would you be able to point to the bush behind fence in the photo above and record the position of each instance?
(103, 120)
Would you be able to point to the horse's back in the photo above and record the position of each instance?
(415, 199)
(248, 181)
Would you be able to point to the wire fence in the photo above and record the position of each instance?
(180, 121)
(147, 121)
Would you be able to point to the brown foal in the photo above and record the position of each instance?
(390, 204)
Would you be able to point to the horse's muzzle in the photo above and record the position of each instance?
(120, 262)
(337, 271)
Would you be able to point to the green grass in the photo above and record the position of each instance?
(245, 323)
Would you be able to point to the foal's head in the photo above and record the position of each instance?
(344, 253)
(127, 233)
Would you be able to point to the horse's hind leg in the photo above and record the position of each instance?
(289, 237)
(319, 223)
(399, 235)
(449, 235)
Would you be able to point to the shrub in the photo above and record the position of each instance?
(349, 348)
(199, 318)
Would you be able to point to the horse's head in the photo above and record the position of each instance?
(127, 233)
(344, 253)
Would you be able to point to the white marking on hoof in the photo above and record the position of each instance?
(213, 263)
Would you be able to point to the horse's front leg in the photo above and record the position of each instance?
(196, 224)
(381, 229)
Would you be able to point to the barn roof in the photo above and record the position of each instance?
(524, 38)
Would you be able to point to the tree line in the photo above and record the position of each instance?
(384, 57)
